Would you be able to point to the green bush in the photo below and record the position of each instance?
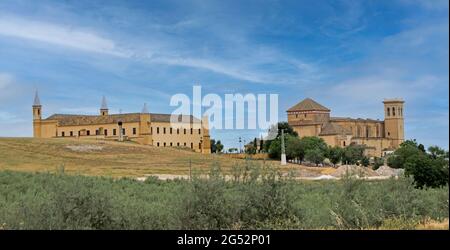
(257, 197)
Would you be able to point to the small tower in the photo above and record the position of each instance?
(104, 107)
(145, 135)
(393, 121)
(37, 116)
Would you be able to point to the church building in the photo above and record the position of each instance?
(309, 118)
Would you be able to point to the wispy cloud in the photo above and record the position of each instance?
(71, 37)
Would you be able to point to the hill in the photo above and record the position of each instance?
(105, 158)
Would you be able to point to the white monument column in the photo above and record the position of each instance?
(283, 150)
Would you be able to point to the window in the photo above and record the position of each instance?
(305, 115)
(184, 131)
(192, 130)
(178, 131)
(97, 132)
(123, 131)
(171, 144)
(88, 132)
(114, 131)
(157, 130)
(39, 112)
(199, 146)
(296, 116)
(192, 145)
(199, 131)
(367, 131)
(389, 133)
(62, 134)
(151, 130)
(388, 111)
(170, 130)
(71, 133)
(185, 144)
(393, 111)
(164, 130)
(79, 133)
(134, 131)
(157, 144)
(343, 143)
(105, 132)
(164, 144)
(178, 144)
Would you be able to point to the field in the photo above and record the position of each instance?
(113, 159)
(67, 184)
(252, 201)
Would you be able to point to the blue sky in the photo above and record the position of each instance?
(347, 55)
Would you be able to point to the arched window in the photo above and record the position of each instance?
(393, 111)
(388, 111)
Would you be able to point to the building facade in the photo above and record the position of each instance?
(309, 118)
(160, 130)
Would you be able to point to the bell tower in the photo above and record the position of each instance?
(37, 116)
(393, 121)
(104, 107)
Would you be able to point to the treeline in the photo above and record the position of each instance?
(256, 198)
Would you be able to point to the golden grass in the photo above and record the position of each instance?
(115, 159)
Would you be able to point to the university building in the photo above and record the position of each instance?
(309, 118)
(159, 130)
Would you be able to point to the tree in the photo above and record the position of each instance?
(437, 152)
(407, 149)
(315, 155)
(288, 130)
(219, 147)
(250, 149)
(293, 147)
(216, 147)
(365, 161)
(274, 149)
(427, 171)
(334, 154)
(352, 154)
(377, 162)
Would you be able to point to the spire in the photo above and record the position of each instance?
(145, 109)
(36, 102)
(104, 105)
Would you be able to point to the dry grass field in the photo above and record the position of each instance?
(108, 158)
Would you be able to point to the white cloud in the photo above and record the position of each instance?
(58, 35)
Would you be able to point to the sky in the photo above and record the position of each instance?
(346, 55)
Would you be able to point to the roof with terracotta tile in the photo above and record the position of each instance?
(308, 104)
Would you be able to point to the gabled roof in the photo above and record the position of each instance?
(333, 129)
(74, 120)
(308, 104)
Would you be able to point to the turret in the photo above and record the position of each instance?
(144, 126)
(37, 115)
(37, 108)
(104, 107)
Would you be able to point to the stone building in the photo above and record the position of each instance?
(160, 130)
(309, 118)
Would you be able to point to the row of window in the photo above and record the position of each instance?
(114, 131)
(98, 132)
(171, 131)
(164, 144)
